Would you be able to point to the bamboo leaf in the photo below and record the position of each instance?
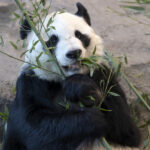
(17, 16)
(103, 109)
(113, 94)
(92, 71)
(1, 41)
(6, 110)
(35, 43)
(67, 105)
(22, 54)
(62, 11)
(81, 105)
(48, 29)
(43, 2)
(13, 45)
(94, 51)
(33, 67)
(49, 22)
(119, 68)
(91, 98)
(145, 124)
(125, 59)
(137, 8)
(24, 43)
(37, 59)
(148, 33)
(53, 27)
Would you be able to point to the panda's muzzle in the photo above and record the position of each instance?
(74, 54)
(72, 67)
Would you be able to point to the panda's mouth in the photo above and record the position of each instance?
(72, 67)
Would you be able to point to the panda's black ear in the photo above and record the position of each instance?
(82, 11)
(25, 29)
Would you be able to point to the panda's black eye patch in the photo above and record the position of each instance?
(84, 38)
(52, 42)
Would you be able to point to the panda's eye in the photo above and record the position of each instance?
(83, 38)
(78, 34)
(54, 40)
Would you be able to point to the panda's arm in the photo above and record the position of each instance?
(80, 88)
(122, 129)
(44, 114)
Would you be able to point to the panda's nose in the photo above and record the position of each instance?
(75, 54)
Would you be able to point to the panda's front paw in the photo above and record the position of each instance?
(81, 88)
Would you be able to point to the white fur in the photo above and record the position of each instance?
(65, 24)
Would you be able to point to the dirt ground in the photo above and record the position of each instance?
(121, 35)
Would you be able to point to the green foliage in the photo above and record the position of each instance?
(14, 45)
(1, 41)
(4, 115)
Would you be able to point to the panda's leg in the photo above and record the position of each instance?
(122, 129)
(12, 143)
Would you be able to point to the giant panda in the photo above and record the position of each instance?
(38, 122)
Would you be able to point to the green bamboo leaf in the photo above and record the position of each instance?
(47, 30)
(81, 105)
(125, 59)
(17, 16)
(6, 110)
(23, 53)
(43, 2)
(49, 22)
(35, 43)
(119, 68)
(67, 105)
(24, 43)
(137, 8)
(13, 45)
(1, 41)
(148, 33)
(103, 109)
(14, 90)
(62, 11)
(53, 27)
(91, 98)
(33, 67)
(92, 71)
(94, 51)
(102, 84)
(113, 94)
(33, 46)
(145, 124)
(37, 59)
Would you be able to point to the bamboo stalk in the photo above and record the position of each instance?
(105, 143)
(31, 23)
(28, 63)
(137, 93)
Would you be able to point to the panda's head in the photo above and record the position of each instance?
(73, 38)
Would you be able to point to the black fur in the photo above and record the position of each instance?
(84, 38)
(82, 12)
(25, 29)
(38, 122)
(52, 42)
